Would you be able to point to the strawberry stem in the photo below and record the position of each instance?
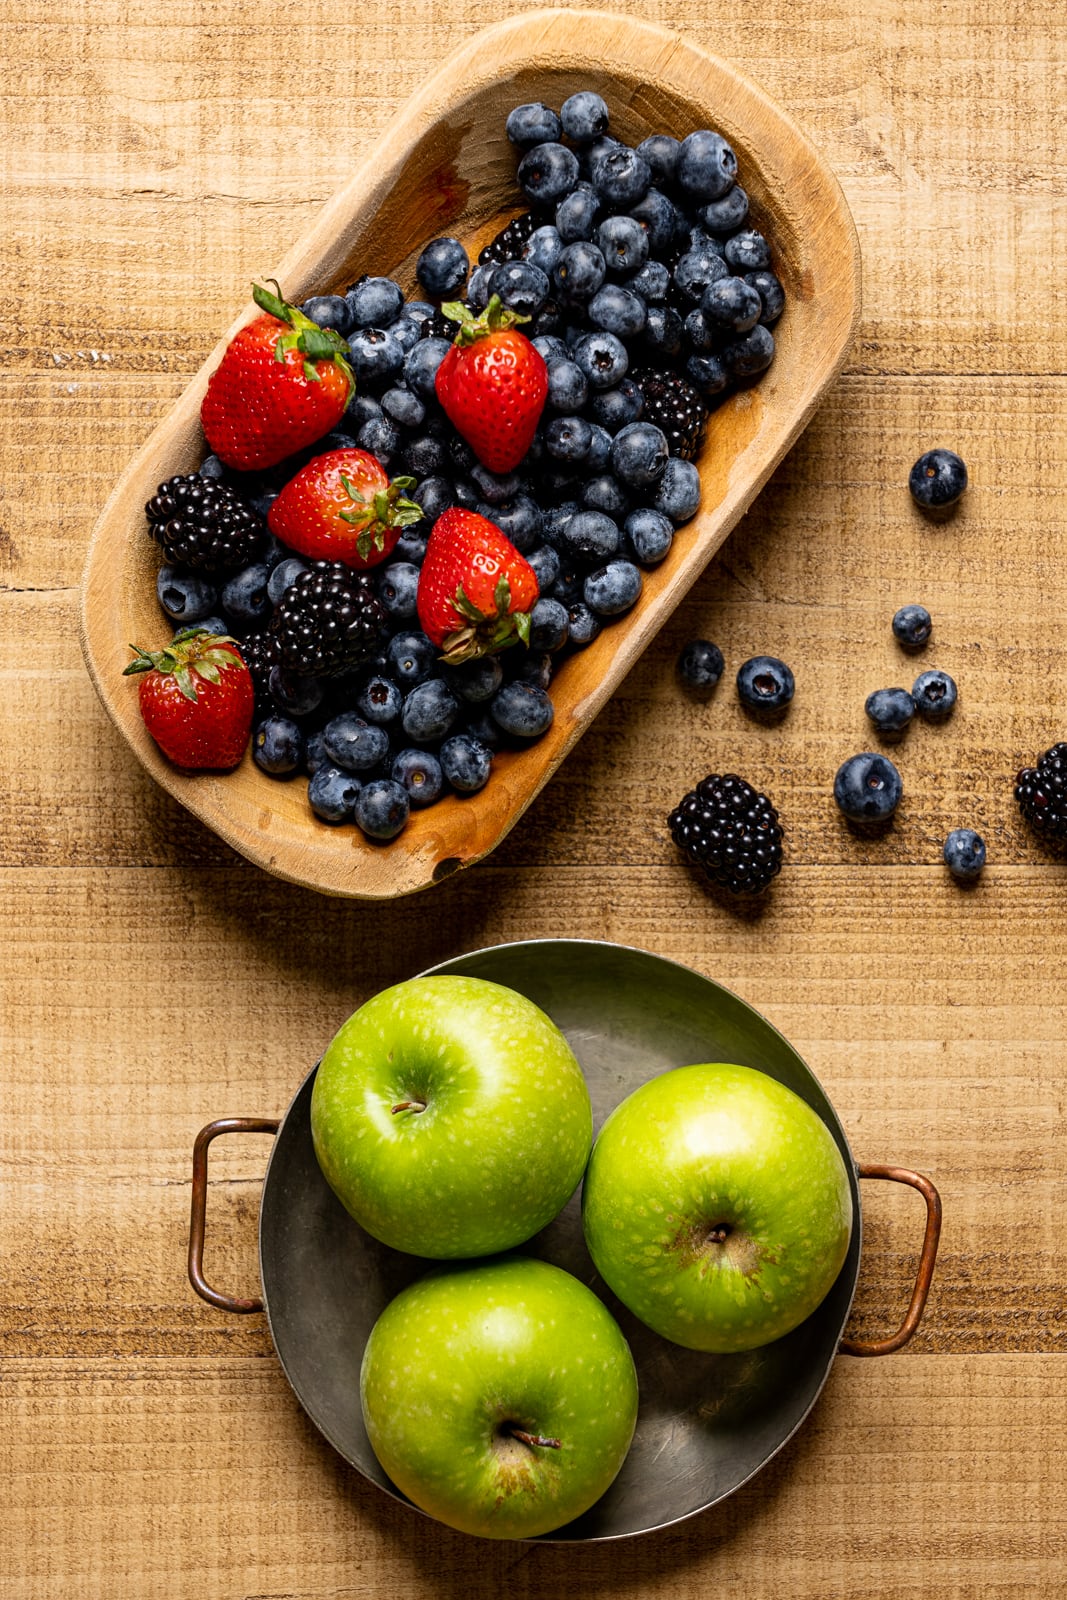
(313, 343)
(496, 318)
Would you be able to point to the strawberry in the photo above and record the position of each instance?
(196, 698)
(342, 507)
(475, 590)
(282, 383)
(492, 384)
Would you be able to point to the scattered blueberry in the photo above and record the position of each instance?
(890, 710)
(411, 657)
(442, 269)
(912, 626)
(466, 763)
(522, 710)
(765, 685)
(375, 302)
(185, 596)
(382, 808)
(547, 172)
(660, 152)
(532, 124)
(296, 693)
(612, 589)
(332, 793)
(964, 854)
(727, 214)
(620, 177)
(244, 597)
(353, 743)
(549, 625)
(282, 575)
(937, 480)
(648, 535)
(623, 244)
(419, 774)
(379, 700)
(707, 166)
(868, 787)
(278, 746)
(639, 454)
(747, 251)
(584, 116)
(398, 588)
(603, 358)
(700, 666)
(678, 492)
(935, 695)
(429, 711)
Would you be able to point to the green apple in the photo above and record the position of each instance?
(451, 1117)
(499, 1396)
(717, 1206)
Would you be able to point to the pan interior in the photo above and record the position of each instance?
(706, 1423)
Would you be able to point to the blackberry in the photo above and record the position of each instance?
(259, 651)
(328, 620)
(1041, 791)
(203, 525)
(731, 831)
(673, 406)
(507, 246)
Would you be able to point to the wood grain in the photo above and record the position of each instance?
(154, 161)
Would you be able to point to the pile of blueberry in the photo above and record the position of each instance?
(650, 297)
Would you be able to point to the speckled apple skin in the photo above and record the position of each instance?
(703, 1145)
(468, 1350)
(506, 1130)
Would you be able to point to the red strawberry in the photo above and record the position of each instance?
(475, 589)
(196, 698)
(492, 384)
(282, 383)
(342, 507)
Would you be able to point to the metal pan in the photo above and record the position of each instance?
(628, 1015)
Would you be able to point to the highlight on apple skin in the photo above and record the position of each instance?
(451, 1118)
(717, 1206)
(499, 1396)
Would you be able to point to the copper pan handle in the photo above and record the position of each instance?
(927, 1257)
(198, 1208)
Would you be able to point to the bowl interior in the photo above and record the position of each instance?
(628, 1016)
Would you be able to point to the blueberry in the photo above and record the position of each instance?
(379, 700)
(726, 214)
(403, 407)
(397, 586)
(771, 294)
(353, 743)
(297, 693)
(543, 249)
(604, 492)
(478, 289)
(615, 408)
(649, 536)
(584, 625)
(518, 520)
(361, 408)
(244, 598)
(612, 589)
(544, 562)
(868, 787)
(185, 596)
(700, 666)
(522, 710)
(937, 480)
(623, 243)
(419, 774)
(678, 494)
(639, 454)
(748, 251)
(912, 626)
(590, 154)
(282, 576)
(278, 746)
(315, 753)
(935, 695)
(620, 177)
(707, 374)
(411, 546)
(584, 116)
(495, 487)
(550, 347)
(407, 332)
(663, 330)
(332, 794)
(765, 685)
(381, 808)
(330, 311)
(411, 657)
(212, 469)
(477, 680)
(580, 271)
(660, 152)
(890, 709)
(376, 355)
(547, 172)
(619, 311)
(533, 124)
(576, 214)
(521, 286)
(700, 329)
(603, 359)
(530, 666)
(568, 439)
(590, 536)
(548, 625)
(429, 711)
(465, 762)
(442, 269)
(651, 282)
(555, 520)
(750, 354)
(731, 304)
(375, 302)
(434, 495)
(568, 386)
(698, 269)
(212, 625)
(658, 218)
(707, 166)
(964, 854)
(600, 442)
(420, 312)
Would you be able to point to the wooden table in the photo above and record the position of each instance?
(155, 160)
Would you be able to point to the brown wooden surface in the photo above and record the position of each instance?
(155, 159)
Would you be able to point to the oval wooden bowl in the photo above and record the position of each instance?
(445, 166)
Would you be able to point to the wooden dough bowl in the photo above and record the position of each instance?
(444, 166)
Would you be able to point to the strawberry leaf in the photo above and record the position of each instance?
(184, 679)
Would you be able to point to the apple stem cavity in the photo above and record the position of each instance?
(719, 1232)
(534, 1439)
(409, 1105)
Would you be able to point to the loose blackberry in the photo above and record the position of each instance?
(507, 246)
(204, 525)
(1042, 793)
(731, 831)
(328, 620)
(675, 407)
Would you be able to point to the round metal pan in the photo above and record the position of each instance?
(628, 1015)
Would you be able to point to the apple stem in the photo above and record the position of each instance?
(719, 1233)
(535, 1439)
(409, 1105)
